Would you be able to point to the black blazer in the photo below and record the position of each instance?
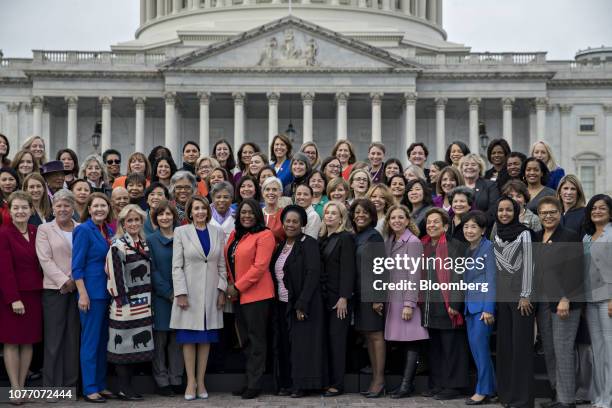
(337, 267)
(573, 220)
(486, 195)
(558, 270)
(302, 272)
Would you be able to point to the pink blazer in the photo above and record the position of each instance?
(54, 254)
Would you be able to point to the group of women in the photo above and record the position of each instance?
(152, 265)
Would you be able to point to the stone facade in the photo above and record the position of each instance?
(191, 74)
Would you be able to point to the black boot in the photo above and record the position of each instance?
(406, 387)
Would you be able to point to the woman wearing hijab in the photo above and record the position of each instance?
(515, 318)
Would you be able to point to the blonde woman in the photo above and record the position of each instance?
(542, 150)
(204, 166)
(94, 171)
(359, 182)
(36, 145)
(311, 151)
(338, 190)
(472, 168)
(35, 185)
(337, 280)
(380, 195)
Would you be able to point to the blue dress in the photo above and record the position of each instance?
(184, 336)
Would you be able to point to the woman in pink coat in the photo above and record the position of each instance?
(403, 320)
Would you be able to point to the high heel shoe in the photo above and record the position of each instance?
(203, 395)
(380, 393)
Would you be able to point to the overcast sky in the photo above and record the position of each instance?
(560, 27)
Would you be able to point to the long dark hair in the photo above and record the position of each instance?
(169, 160)
(427, 200)
(260, 223)
(257, 195)
(73, 156)
(241, 165)
(543, 169)
(231, 161)
(588, 225)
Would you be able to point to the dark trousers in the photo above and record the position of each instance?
(448, 359)
(61, 334)
(282, 346)
(337, 332)
(514, 356)
(253, 320)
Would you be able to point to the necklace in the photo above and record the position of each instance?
(287, 248)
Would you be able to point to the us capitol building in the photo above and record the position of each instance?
(366, 70)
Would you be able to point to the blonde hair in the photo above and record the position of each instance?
(312, 144)
(551, 163)
(334, 183)
(580, 198)
(411, 224)
(44, 205)
(416, 170)
(28, 143)
(124, 214)
(345, 224)
(214, 163)
(98, 159)
(474, 157)
(387, 195)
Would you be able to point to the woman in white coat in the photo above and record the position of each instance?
(200, 281)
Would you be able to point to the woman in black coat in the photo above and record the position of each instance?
(299, 331)
(337, 248)
(369, 306)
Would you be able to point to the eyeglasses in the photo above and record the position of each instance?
(182, 188)
(551, 213)
(111, 162)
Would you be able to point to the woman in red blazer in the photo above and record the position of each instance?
(248, 253)
(21, 283)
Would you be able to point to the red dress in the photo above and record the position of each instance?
(21, 278)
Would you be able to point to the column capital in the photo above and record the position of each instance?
(105, 101)
(239, 98)
(565, 109)
(273, 98)
(507, 103)
(541, 103)
(170, 98)
(441, 103)
(139, 102)
(13, 107)
(27, 107)
(607, 109)
(308, 98)
(410, 98)
(72, 101)
(474, 103)
(342, 98)
(37, 101)
(204, 97)
(376, 97)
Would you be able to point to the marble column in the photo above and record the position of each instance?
(405, 7)
(204, 123)
(421, 9)
(72, 142)
(332, 2)
(410, 99)
(433, 11)
(105, 141)
(46, 125)
(376, 98)
(13, 124)
(342, 115)
(139, 128)
(170, 139)
(541, 105)
(566, 143)
(143, 11)
(362, 4)
(474, 104)
(441, 127)
(386, 5)
(439, 12)
(239, 99)
(161, 8)
(273, 98)
(195, 4)
(151, 9)
(507, 104)
(607, 179)
(37, 108)
(176, 6)
(307, 101)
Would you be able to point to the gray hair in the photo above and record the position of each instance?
(64, 195)
(223, 185)
(466, 191)
(182, 175)
(98, 159)
(271, 180)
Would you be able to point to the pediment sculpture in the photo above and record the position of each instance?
(289, 53)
